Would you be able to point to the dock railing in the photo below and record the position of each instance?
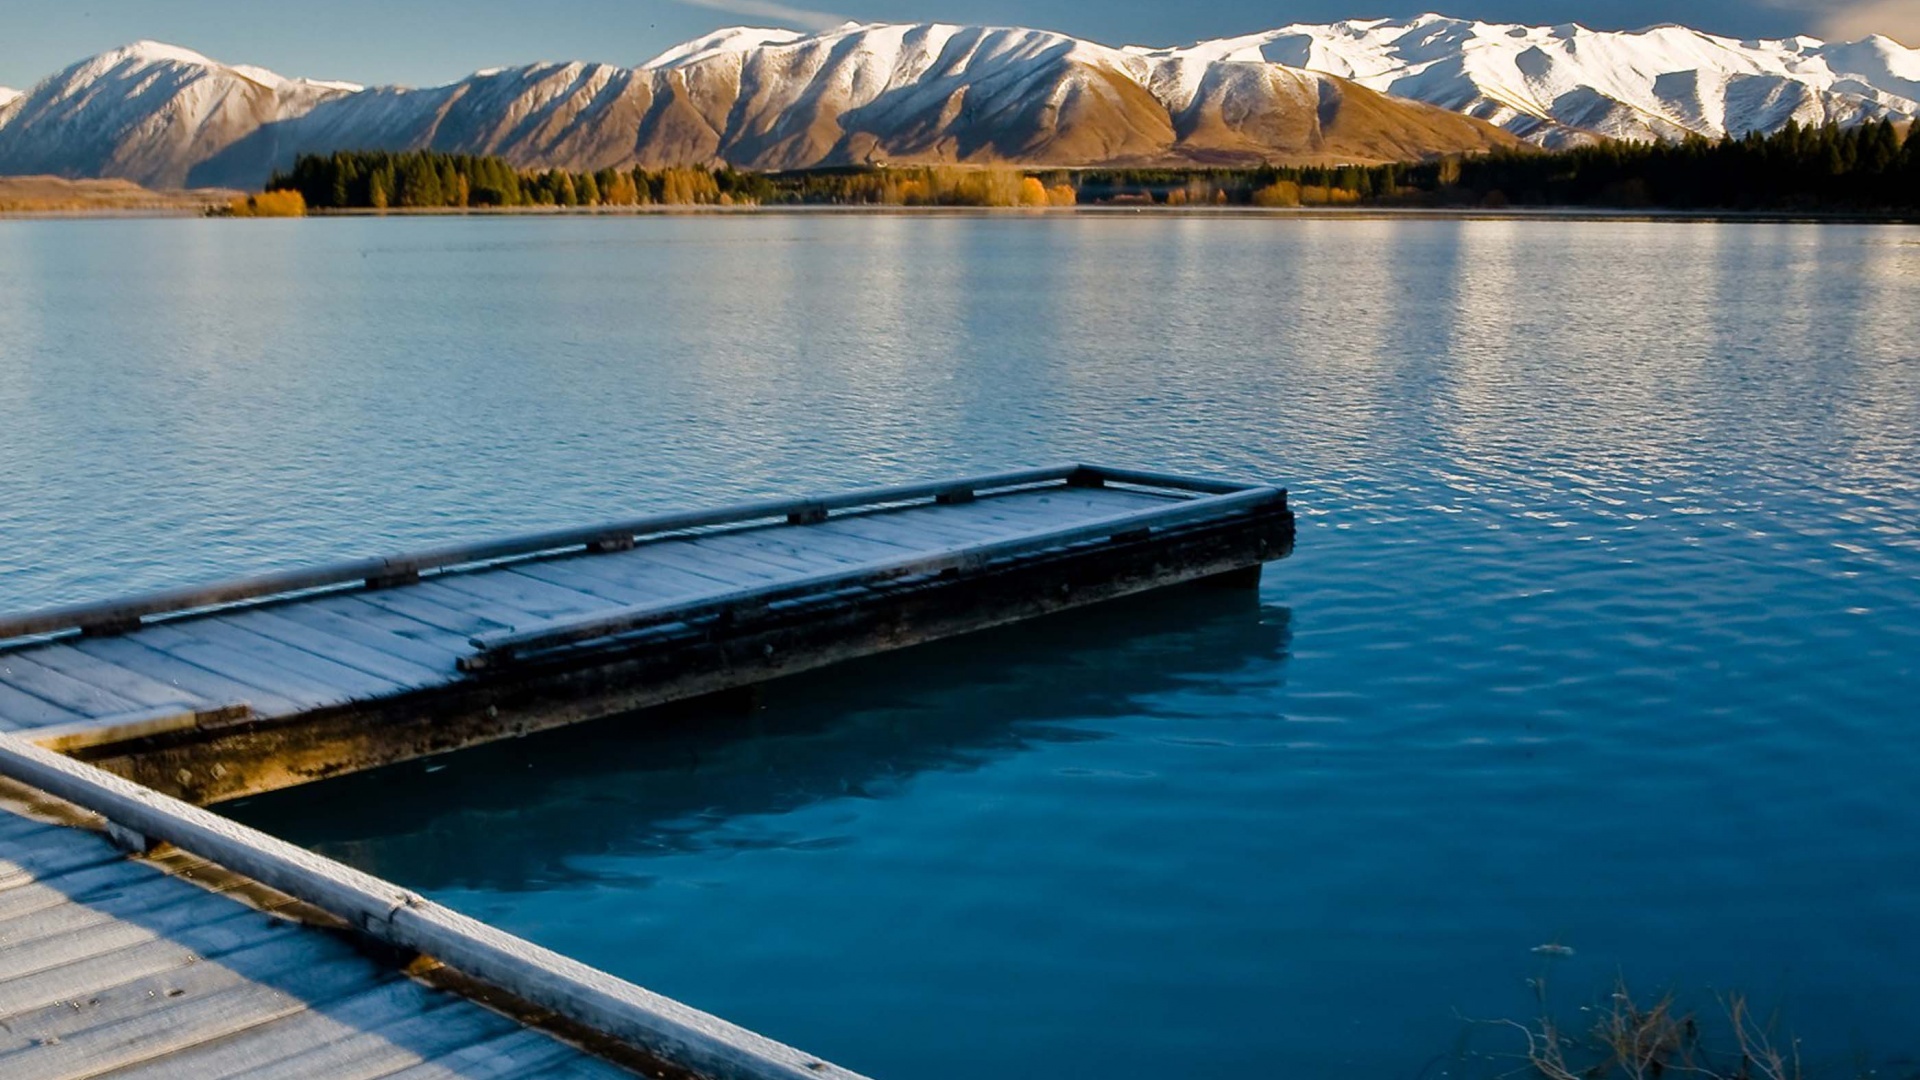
(660, 1027)
(507, 646)
(121, 616)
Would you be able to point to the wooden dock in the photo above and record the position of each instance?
(227, 954)
(142, 936)
(245, 686)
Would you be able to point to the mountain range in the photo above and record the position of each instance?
(1355, 91)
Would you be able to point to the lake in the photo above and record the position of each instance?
(1600, 634)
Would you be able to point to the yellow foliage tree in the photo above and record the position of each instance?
(621, 190)
(288, 203)
(1281, 193)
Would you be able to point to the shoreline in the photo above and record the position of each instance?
(1301, 213)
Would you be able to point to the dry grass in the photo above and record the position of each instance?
(56, 195)
(1631, 1039)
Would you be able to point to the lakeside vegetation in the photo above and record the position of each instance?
(282, 203)
(1867, 169)
(56, 195)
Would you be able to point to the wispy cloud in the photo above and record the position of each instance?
(1851, 20)
(796, 18)
(1897, 19)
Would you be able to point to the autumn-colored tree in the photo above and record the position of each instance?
(284, 203)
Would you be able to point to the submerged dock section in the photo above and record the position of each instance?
(245, 686)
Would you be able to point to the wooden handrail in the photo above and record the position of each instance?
(115, 616)
(505, 646)
(121, 614)
(402, 919)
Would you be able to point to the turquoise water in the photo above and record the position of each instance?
(1600, 633)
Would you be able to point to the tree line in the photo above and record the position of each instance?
(1868, 168)
(427, 179)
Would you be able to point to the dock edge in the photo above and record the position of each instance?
(398, 918)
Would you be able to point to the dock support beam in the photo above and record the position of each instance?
(1247, 577)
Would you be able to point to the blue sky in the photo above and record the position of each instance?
(420, 42)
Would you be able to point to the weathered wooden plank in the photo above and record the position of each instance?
(284, 670)
(210, 686)
(86, 883)
(131, 686)
(225, 631)
(1055, 511)
(388, 1027)
(917, 533)
(359, 608)
(228, 929)
(381, 1046)
(160, 907)
(412, 603)
(589, 1069)
(808, 544)
(22, 672)
(512, 1055)
(135, 1021)
(370, 628)
(565, 573)
(148, 894)
(26, 858)
(73, 886)
(489, 608)
(378, 659)
(1088, 500)
(151, 723)
(41, 1002)
(785, 561)
(637, 568)
(725, 571)
(522, 592)
(19, 709)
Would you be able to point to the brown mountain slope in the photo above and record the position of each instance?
(861, 95)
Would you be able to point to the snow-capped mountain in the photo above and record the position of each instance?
(7, 94)
(777, 99)
(1560, 84)
(147, 112)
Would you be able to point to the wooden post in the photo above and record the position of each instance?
(401, 576)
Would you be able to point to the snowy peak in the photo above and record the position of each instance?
(730, 41)
(147, 112)
(769, 98)
(7, 96)
(865, 94)
(1567, 83)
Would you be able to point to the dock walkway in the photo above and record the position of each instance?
(216, 692)
(212, 951)
(229, 954)
(111, 966)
